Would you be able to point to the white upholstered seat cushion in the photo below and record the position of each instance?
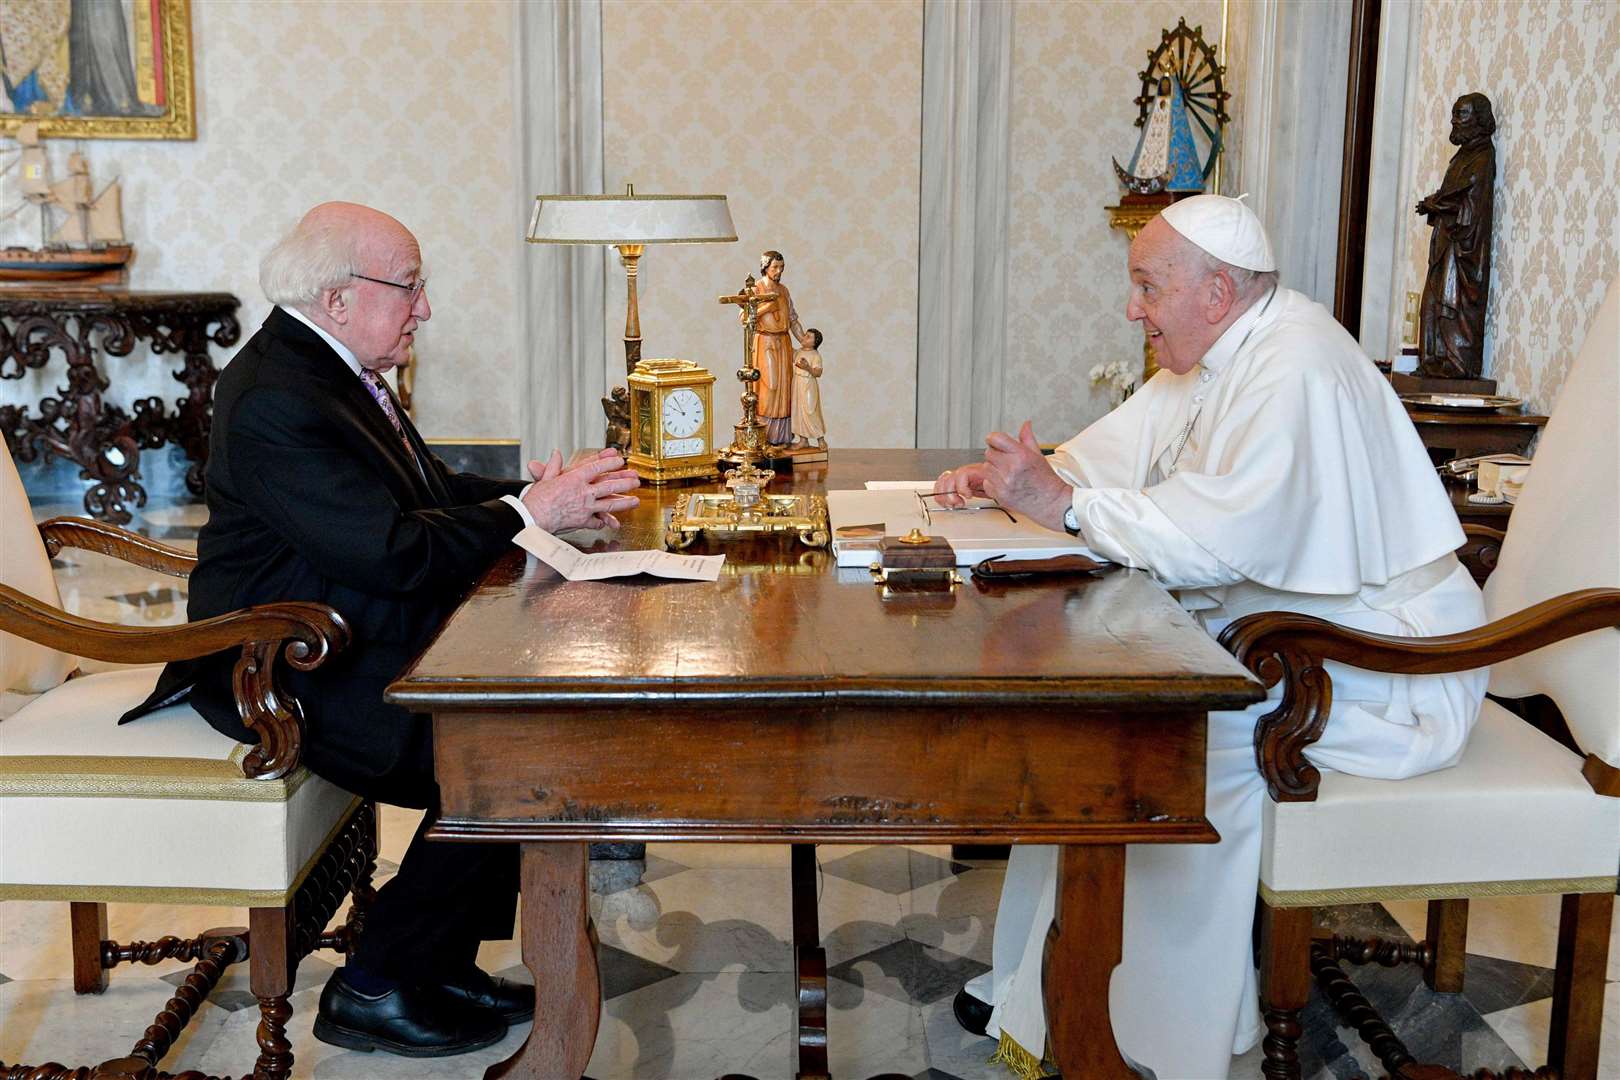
(156, 809)
(1514, 809)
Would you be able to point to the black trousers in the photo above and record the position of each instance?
(428, 920)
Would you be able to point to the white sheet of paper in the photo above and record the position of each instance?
(899, 485)
(576, 565)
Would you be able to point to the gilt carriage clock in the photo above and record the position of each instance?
(672, 421)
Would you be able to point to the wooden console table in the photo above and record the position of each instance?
(105, 441)
(790, 702)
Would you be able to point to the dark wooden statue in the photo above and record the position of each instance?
(1459, 279)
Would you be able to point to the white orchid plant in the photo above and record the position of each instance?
(1120, 377)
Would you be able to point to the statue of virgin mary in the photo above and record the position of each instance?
(1166, 157)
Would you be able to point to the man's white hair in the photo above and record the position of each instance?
(1248, 283)
(311, 258)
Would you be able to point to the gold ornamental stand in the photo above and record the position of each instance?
(747, 508)
(749, 443)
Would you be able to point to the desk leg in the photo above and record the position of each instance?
(1082, 950)
(810, 968)
(558, 952)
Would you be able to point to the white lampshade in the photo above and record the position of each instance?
(631, 219)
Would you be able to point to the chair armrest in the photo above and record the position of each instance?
(1480, 550)
(305, 634)
(1285, 645)
(92, 535)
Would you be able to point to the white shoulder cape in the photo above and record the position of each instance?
(1305, 473)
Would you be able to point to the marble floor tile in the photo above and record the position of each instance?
(855, 919)
(725, 856)
(909, 971)
(675, 921)
(958, 913)
(1525, 1029)
(44, 1020)
(891, 868)
(698, 1026)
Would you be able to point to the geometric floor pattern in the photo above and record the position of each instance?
(696, 961)
(696, 973)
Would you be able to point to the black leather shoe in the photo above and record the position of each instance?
(513, 1000)
(971, 1013)
(410, 1021)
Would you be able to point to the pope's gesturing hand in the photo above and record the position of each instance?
(1015, 473)
(585, 495)
(955, 486)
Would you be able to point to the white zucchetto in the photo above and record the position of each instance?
(1225, 228)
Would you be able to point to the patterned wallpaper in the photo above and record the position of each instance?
(1074, 75)
(806, 115)
(1552, 71)
(815, 137)
(407, 108)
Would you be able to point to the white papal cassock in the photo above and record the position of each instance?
(1280, 473)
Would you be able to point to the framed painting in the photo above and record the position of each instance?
(97, 69)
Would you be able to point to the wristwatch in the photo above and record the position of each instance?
(1071, 524)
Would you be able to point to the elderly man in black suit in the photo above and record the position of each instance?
(320, 488)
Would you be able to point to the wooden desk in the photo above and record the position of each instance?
(788, 702)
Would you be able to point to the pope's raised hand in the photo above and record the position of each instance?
(585, 495)
(1018, 477)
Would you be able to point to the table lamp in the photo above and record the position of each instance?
(629, 222)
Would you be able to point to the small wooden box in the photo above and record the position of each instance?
(935, 553)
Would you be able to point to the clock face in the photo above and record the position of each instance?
(683, 413)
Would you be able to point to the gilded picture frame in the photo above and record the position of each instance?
(97, 69)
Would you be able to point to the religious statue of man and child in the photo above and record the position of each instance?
(789, 378)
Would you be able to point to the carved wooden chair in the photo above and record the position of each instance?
(1523, 812)
(166, 809)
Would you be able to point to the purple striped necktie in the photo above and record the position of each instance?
(374, 383)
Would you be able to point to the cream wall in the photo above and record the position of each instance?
(1074, 75)
(807, 115)
(407, 108)
(1552, 72)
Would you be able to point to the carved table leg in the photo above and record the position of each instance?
(193, 418)
(1082, 950)
(84, 430)
(810, 967)
(557, 950)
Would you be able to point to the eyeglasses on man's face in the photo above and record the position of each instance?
(415, 288)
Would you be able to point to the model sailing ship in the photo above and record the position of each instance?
(81, 231)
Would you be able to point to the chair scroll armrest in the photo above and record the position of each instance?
(91, 535)
(1480, 551)
(1285, 645)
(305, 634)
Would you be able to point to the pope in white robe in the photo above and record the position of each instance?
(1268, 466)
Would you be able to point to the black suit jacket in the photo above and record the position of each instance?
(311, 496)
